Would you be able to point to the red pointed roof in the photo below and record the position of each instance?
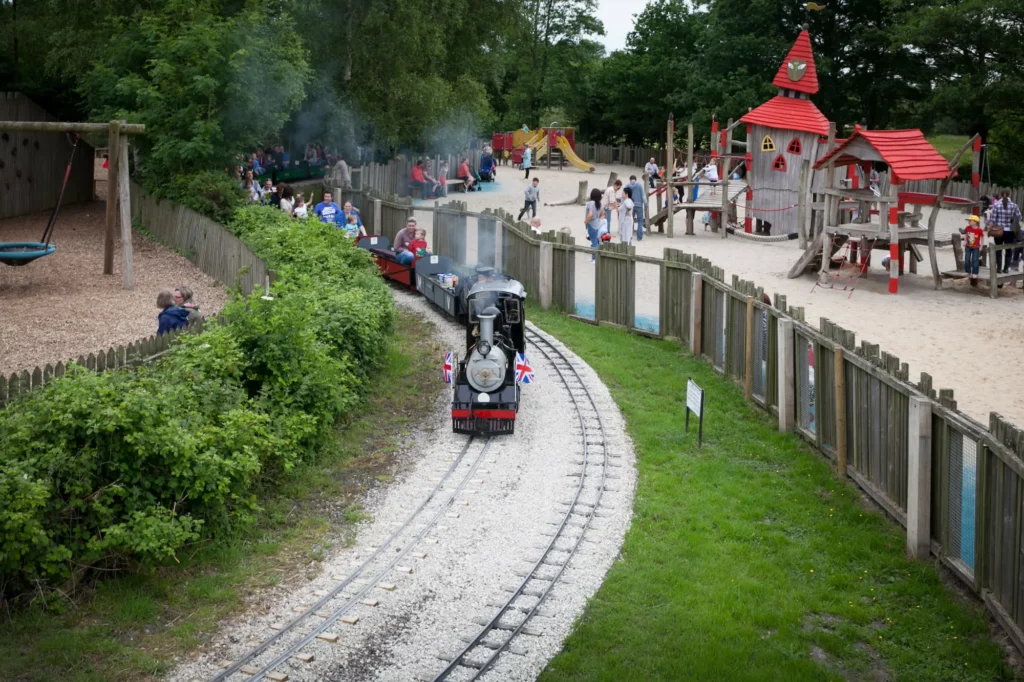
(799, 65)
(787, 113)
(909, 155)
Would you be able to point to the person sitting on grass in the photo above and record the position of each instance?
(419, 245)
(353, 230)
(171, 316)
(406, 236)
(327, 210)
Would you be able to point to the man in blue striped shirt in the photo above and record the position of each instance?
(1003, 217)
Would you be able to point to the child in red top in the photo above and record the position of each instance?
(419, 246)
(973, 237)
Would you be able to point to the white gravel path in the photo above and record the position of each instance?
(506, 505)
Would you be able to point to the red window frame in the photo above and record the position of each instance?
(795, 147)
(780, 163)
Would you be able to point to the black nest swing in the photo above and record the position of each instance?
(23, 253)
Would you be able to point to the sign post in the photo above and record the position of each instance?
(695, 404)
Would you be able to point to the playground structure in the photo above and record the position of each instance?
(556, 145)
(28, 134)
(786, 172)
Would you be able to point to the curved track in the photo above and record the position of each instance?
(498, 633)
(291, 637)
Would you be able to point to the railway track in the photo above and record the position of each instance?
(289, 639)
(500, 631)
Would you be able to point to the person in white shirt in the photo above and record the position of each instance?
(652, 171)
(626, 217)
(711, 174)
(610, 202)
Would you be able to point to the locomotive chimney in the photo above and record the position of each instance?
(487, 324)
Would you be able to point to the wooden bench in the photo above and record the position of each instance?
(458, 183)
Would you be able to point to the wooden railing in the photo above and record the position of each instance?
(952, 482)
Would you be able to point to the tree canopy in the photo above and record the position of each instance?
(213, 77)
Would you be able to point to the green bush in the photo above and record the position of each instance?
(212, 193)
(125, 468)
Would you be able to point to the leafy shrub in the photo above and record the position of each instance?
(213, 193)
(126, 468)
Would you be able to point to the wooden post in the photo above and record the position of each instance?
(670, 151)
(687, 192)
(378, 217)
(124, 198)
(725, 205)
(546, 258)
(803, 200)
(919, 477)
(786, 375)
(839, 370)
(993, 274)
(696, 305)
(113, 159)
(894, 233)
(748, 379)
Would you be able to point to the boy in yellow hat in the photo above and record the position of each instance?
(973, 237)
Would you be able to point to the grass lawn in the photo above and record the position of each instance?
(748, 559)
(949, 145)
(130, 627)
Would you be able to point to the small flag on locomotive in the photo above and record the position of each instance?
(524, 372)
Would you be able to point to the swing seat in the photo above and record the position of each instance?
(23, 253)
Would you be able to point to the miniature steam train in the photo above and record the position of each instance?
(492, 308)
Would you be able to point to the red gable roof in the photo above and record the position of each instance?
(800, 53)
(909, 155)
(787, 113)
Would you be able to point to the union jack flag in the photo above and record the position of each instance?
(524, 373)
(446, 369)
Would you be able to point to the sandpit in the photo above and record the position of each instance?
(62, 306)
(951, 334)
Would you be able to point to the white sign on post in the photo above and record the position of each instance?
(695, 404)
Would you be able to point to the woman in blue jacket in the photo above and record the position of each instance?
(171, 316)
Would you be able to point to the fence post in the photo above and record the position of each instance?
(919, 478)
(748, 376)
(839, 369)
(378, 216)
(696, 301)
(786, 376)
(546, 259)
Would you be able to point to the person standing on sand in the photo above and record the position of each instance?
(592, 219)
(612, 195)
(532, 197)
(639, 197)
(626, 208)
(527, 162)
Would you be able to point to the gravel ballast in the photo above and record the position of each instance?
(510, 497)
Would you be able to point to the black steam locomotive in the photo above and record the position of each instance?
(487, 379)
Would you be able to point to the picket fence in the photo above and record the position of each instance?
(141, 352)
(955, 484)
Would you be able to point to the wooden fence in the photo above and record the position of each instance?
(619, 154)
(33, 163)
(202, 240)
(956, 485)
(140, 352)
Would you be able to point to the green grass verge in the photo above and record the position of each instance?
(949, 145)
(128, 628)
(748, 559)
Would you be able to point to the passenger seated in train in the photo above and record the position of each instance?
(403, 241)
(419, 246)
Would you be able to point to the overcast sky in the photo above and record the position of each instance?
(617, 16)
